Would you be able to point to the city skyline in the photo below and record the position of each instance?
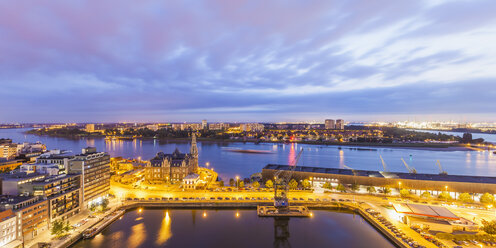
(247, 61)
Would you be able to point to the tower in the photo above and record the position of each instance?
(194, 152)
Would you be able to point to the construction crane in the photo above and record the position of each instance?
(383, 164)
(441, 171)
(281, 185)
(410, 169)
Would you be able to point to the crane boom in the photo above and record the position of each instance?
(410, 169)
(441, 171)
(349, 168)
(383, 164)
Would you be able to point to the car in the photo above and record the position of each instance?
(310, 199)
(341, 200)
(203, 198)
(177, 198)
(247, 198)
(219, 198)
(164, 198)
(333, 199)
(226, 198)
(258, 198)
(240, 198)
(301, 199)
(295, 199)
(326, 200)
(265, 199)
(185, 198)
(317, 199)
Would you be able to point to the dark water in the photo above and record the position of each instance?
(231, 164)
(223, 228)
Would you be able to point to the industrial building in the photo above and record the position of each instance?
(434, 183)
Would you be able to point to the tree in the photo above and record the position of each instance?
(444, 196)
(327, 185)
(269, 184)
(465, 198)
(371, 189)
(487, 198)
(405, 193)
(355, 187)
(293, 184)
(306, 184)
(426, 195)
(489, 226)
(255, 184)
(67, 227)
(241, 184)
(231, 182)
(341, 188)
(105, 203)
(92, 207)
(386, 190)
(221, 183)
(58, 228)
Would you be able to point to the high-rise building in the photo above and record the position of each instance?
(90, 128)
(330, 124)
(31, 212)
(339, 124)
(94, 168)
(204, 124)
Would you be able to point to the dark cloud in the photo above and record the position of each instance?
(150, 60)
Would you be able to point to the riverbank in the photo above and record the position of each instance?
(415, 146)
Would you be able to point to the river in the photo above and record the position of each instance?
(230, 164)
(488, 137)
(235, 228)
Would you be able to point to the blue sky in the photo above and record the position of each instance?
(115, 60)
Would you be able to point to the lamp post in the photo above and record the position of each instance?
(399, 188)
(237, 184)
(446, 189)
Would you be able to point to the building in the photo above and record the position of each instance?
(330, 124)
(94, 168)
(340, 124)
(63, 193)
(8, 165)
(11, 183)
(173, 167)
(204, 125)
(191, 181)
(31, 212)
(49, 169)
(90, 128)
(218, 126)
(252, 127)
(8, 229)
(417, 182)
(8, 150)
(55, 157)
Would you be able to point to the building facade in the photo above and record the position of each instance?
(173, 167)
(31, 212)
(330, 124)
(340, 124)
(8, 228)
(8, 150)
(94, 168)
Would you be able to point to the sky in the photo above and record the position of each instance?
(230, 60)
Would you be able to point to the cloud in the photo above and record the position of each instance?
(187, 60)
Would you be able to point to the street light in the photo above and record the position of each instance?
(237, 183)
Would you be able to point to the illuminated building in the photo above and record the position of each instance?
(204, 125)
(8, 229)
(330, 124)
(90, 128)
(94, 168)
(173, 167)
(31, 212)
(340, 124)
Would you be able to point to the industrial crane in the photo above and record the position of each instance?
(410, 169)
(383, 164)
(281, 185)
(441, 171)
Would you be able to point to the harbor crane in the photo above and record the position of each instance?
(383, 164)
(441, 171)
(409, 168)
(281, 185)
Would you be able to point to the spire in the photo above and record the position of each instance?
(194, 149)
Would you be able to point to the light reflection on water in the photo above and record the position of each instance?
(229, 164)
(236, 228)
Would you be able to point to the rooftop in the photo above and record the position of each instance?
(398, 175)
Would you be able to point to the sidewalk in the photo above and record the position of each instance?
(47, 237)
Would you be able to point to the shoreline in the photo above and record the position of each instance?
(414, 146)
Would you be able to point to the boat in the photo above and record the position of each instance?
(90, 233)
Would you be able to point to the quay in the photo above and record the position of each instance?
(293, 211)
